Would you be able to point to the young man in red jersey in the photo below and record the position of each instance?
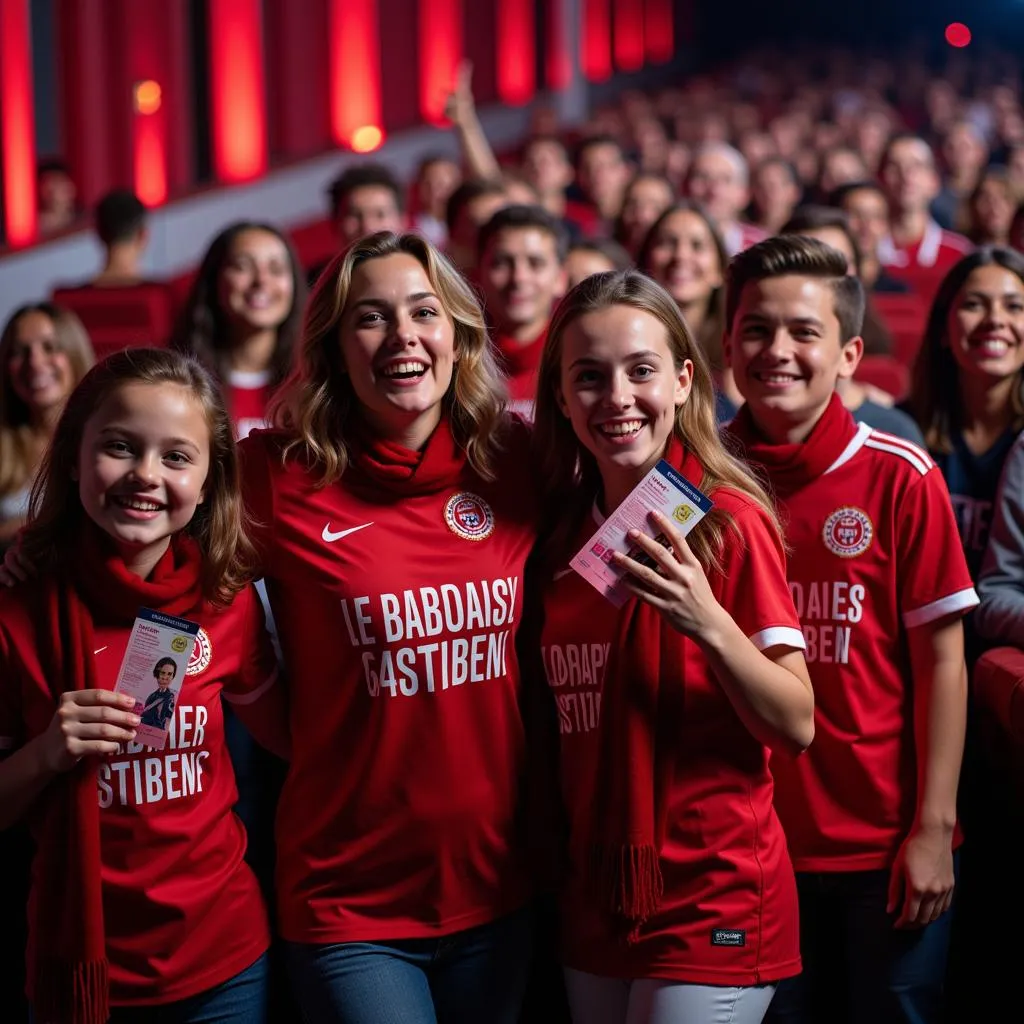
(917, 250)
(522, 275)
(879, 580)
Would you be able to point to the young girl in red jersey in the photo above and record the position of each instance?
(141, 897)
(243, 316)
(399, 513)
(680, 904)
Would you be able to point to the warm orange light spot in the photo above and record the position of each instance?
(148, 96)
(367, 139)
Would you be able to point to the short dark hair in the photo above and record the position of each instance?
(120, 216)
(160, 664)
(363, 176)
(542, 140)
(597, 140)
(898, 137)
(475, 188)
(800, 256)
(840, 194)
(614, 253)
(787, 165)
(52, 165)
(811, 216)
(520, 217)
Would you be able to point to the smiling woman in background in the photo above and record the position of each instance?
(44, 353)
(243, 316)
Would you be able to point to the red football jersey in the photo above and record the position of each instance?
(248, 395)
(397, 617)
(924, 264)
(874, 552)
(182, 910)
(729, 913)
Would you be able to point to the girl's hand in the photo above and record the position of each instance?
(87, 722)
(679, 589)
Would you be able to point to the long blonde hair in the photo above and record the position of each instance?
(317, 399)
(17, 451)
(218, 525)
(571, 473)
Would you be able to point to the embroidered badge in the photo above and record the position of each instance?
(469, 516)
(729, 937)
(848, 532)
(202, 654)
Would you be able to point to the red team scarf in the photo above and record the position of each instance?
(405, 472)
(640, 715)
(72, 973)
(792, 466)
(521, 361)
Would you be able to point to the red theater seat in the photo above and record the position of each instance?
(886, 373)
(906, 317)
(999, 689)
(314, 242)
(118, 318)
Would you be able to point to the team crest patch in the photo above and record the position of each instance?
(202, 654)
(469, 516)
(848, 532)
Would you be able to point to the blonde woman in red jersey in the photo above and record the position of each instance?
(680, 902)
(399, 515)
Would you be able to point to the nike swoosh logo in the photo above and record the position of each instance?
(563, 572)
(101, 650)
(332, 537)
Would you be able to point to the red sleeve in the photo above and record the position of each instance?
(258, 668)
(753, 587)
(256, 693)
(932, 574)
(254, 456)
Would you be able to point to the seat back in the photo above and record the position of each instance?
(118, 318)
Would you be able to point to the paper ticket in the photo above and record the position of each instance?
(153, 671)
(663, 490)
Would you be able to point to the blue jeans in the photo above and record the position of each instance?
(857, 967)
(239, 1000)
(472, 976)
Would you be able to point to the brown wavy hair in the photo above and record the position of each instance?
(316, 401)
(571, 473)
(56, 512)
(935, 400)
(16, 433)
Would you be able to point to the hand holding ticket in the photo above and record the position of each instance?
(663, 490)
(153, 671)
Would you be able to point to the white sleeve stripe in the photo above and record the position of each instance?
(917, 461)
(779, 636)
(253, 695)
(902, 442)
(961, 601)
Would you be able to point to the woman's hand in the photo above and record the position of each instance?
(679, 589)
(87, 722)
